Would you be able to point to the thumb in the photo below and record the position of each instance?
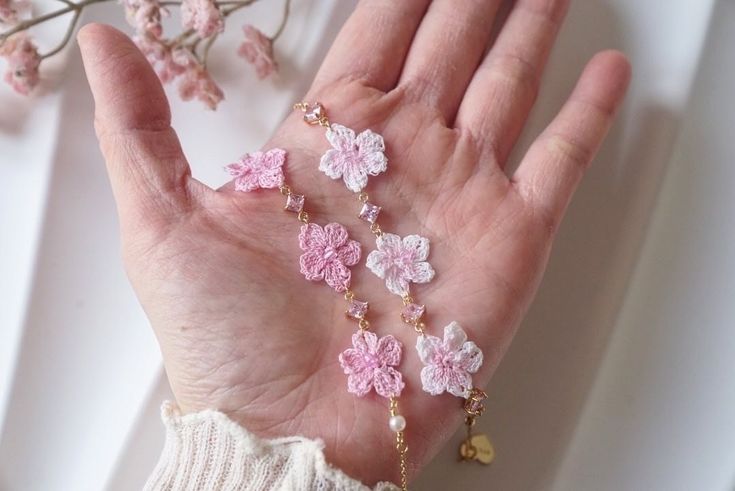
(147, 168)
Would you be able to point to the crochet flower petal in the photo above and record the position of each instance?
(360, 383)
(350, 253)
(247, 182)
(429, 349)
(355, 176)
(377, 262)
(421, 272)
(274, 158)
(313, 266)
(271, 178)
(433, 379)
(454, 337)
(388, 242)
(419, 247)
(332, 163)
(389, 350)
(370, 142)
(353, 361)
(371, 147)
(365, 341)
(337, 275)
(388, 382)
(458, 382)
(341, 137)
(236, 169)
(469, 358)
(312, 237)
(335, 235)
(396, 282)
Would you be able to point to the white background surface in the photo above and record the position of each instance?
(620, 377)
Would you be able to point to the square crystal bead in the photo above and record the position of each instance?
(369, 212)
(412, 313)
(314, 113)
(357, 309)
(295, 203)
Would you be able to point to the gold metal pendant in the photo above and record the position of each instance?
(478, 448)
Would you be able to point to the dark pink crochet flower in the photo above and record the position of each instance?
(369, 364)
(257, 49)
(449, 362)
(258, 170)
(327, 253)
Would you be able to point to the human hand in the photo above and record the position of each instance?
(217, 271)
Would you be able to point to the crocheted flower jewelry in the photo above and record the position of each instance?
(328, 253)
(448, 363)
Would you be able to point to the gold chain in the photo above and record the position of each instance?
(401, 447)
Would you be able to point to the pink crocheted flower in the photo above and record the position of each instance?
(257, 49)
(258, 170)
(327, 253)
(23, 61)
(353, 158)
(449, 362)
(369, 364)
(399, 262)
(203, 16)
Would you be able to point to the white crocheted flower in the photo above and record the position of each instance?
(399, 262)
(353, 158)
(449, 362)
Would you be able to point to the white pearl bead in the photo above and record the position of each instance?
(397, 423)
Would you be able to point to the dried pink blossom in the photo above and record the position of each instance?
(257, 49)
(399, 262)
(369, 364)
(258, 170)
(23, 62)
(203, 16)
(327, 253)
(145, 17)
(168, 63)
(353, 158)
(197, 83)
(11, 10)
(449, 362)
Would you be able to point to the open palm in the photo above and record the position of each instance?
(217, 271)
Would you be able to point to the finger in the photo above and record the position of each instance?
(373, 43)
(145, 163)
(557, 160)
(446, 51)
(503, 90)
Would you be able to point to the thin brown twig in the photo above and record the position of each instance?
(67, 36)
(284, 20)
(71, 7)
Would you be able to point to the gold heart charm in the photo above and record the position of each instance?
(479, 449)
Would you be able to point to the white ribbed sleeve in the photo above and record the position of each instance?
(208, 451)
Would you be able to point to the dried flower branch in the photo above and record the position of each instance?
(182, 57)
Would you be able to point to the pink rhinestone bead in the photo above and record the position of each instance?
(412, 313)
(295, 203)
(369, 212)
(357, 309)
(314, 113)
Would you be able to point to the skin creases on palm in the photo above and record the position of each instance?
(243, 331)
